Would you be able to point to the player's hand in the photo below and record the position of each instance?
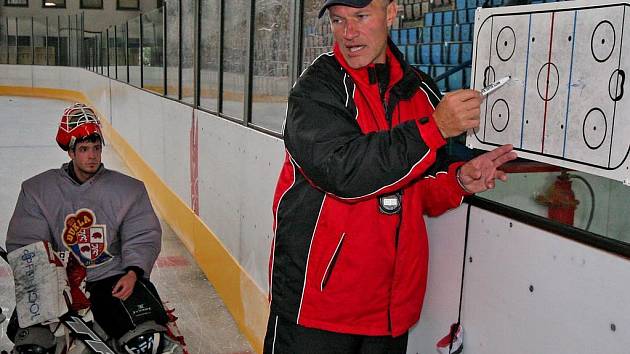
(457, 112)
(479, 174)
(124, 286)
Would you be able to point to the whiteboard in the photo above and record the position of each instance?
(566, 103)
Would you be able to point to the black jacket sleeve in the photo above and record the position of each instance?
(324, 140)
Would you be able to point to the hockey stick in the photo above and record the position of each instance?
(80, 330)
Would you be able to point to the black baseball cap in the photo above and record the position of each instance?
(352, 3)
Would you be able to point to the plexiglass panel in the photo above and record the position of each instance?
(12, 40)
(134, 51)
(209, 76)
(91, 51)
(24, 40)
(102, 53)
(188, 44)
(64, 41)
(588, 202)
(271, 64)
(317, 36)
(4, 43)
(152, 51)
(172, 49)
(39, 33)
(73, 35)
(121, 52)
(53, 42)
(234, 53)
(111, 42)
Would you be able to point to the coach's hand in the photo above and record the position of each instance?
(479, 174)
(457, 112)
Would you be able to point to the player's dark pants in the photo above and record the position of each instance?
(286, 337)
(117, 317)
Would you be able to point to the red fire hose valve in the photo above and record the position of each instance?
(560, 200)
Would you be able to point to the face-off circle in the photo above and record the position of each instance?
(500, 115)
(594, 128)
(548, 81)
(603, 41)
(506, 43)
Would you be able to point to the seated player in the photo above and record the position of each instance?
(105, 220)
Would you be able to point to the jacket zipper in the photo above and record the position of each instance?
(389, 308)
(387, 118)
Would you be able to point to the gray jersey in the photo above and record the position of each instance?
(107, 222)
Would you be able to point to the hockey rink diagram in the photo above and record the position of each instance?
(566, 103)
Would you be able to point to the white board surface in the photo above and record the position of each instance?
(567, 102)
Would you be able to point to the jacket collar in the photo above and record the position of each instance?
(402, 78)
(67, 170)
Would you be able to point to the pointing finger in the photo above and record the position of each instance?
(505, 158)
(501, 150)
(501, 175)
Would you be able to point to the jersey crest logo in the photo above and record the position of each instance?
(86, 239)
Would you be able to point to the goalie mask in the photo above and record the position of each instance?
(77, 122)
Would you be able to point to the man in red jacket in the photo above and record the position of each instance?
(364, 162)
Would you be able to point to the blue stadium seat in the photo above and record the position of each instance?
(467, 77)
(436, 53)
(466, 51)
(402, 37)
(412, 35)
(410, 54)
(394, 35)
(471, 4)
(402, 49)
(439, 70)
(448, 17)
(457, 29)
(436, 34)
(425, 69)
(425, 54)
(465, 32)
(471, 15)
(462, 16)
(437, 18)
(426, 34)
(455, 81)
(428, 19)
(454, 50)
(447, 33)
(460, 4)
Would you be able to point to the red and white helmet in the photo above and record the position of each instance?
(77, 122)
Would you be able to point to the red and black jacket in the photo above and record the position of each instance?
(337, 262)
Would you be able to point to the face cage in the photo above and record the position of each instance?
(76, 116)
